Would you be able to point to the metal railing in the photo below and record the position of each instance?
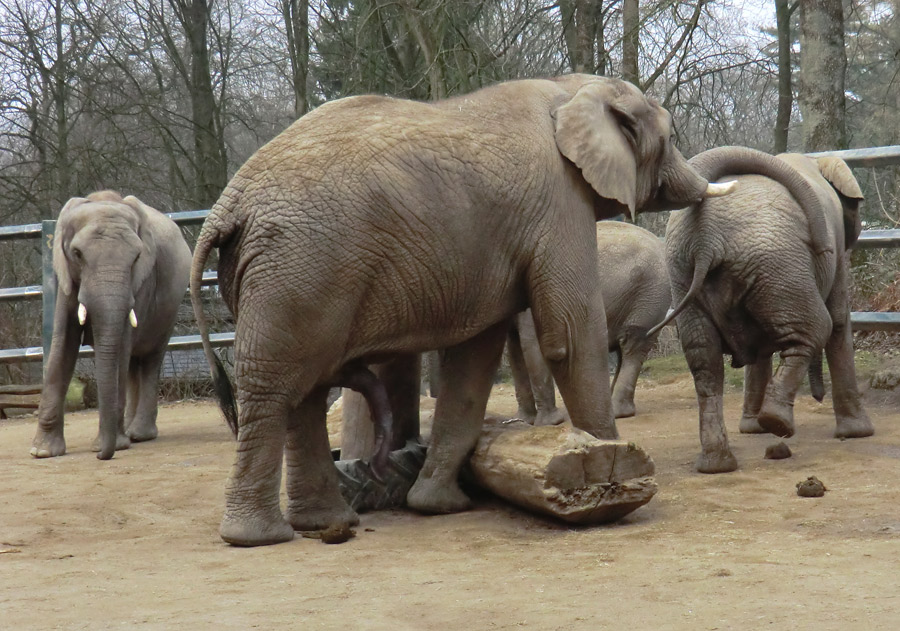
(861, 320)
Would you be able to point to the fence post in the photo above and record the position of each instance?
(48, 282)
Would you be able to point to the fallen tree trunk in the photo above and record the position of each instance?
(557, 471)
(563, 472)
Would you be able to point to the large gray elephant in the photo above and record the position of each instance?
(122, 269)
(635, 286)
(376, 226)
(766, 270)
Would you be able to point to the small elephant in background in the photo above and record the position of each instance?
(636, 296)
(122, 269)
(764, 271)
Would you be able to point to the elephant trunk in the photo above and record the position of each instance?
(108, 308)
(682, 185)
(722, 161)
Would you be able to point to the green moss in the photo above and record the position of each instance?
(75, 395)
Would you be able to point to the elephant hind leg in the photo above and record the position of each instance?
(633, 350)
(467, 372)
(252, 508)
(703, 350)
(314, 496)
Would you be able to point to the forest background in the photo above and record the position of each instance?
(165, 99)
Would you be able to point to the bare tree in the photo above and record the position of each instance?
(783, 12)
(296, 26)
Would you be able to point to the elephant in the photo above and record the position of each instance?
(631, 262)
(374, 227)
(122, 269)
(767, 270)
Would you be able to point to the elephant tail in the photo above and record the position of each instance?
(701, 269)
(816, 379)
(210, 236)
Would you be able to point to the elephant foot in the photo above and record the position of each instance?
(777, 417)
(555, 416)
(244, 532)
(716, 462)
(141, 432)
(525, 415)
(304, 519)
(750, 425)
(122, 442)
(623, 409)
(48, 444)
(427, 495)
(854, 426)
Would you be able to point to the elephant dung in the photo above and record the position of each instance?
(563, 472)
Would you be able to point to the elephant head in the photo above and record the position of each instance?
(623, 143)
(103, 256)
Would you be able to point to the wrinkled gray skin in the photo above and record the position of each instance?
(635, 285)
(112, 255)
(762, 271)
(376, 226)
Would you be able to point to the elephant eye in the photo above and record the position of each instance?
(77, 254)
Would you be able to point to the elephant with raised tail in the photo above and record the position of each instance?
(764, 271)
(374, 227)
(122, 269)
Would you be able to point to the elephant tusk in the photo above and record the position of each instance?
(132, 318)
(82, 313)
(718, 189)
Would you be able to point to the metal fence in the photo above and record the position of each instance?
(861, 320)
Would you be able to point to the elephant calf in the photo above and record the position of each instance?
(122, 269)
(636, 295)
(766, 270)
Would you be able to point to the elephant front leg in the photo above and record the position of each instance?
(59, 366)
(467, 372)
(252, 511)
(539, 375)
(140, 421)
(575, 349)
(314, 497)
(524, 396)
(852, 420)
(756, 378)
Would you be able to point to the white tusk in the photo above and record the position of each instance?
(132, 318)
(82, 313)
(718, 189)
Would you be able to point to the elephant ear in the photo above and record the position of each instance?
(60, 236)
(841, 178)
(146, 262)
(596, 131)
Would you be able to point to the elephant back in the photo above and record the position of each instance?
(722, 161)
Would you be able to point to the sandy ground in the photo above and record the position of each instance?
(133, 543)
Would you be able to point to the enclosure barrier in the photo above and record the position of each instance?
(861, 320)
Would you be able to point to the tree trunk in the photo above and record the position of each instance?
(823, 65)
(210, 166)
(630, 41)
(296, 24)
(584, 36)
(563, 472)
(785, 93)
(60, 97)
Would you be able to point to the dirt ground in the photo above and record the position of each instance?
(133, 543)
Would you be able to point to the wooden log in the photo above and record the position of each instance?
(563, 472)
